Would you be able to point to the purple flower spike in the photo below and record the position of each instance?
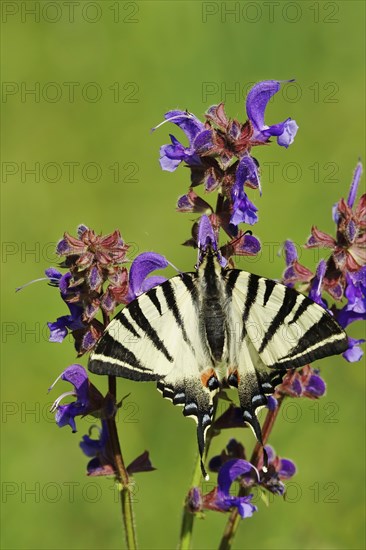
(256, 104)
(354, 185)
(141, 267)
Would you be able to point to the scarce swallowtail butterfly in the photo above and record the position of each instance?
(198, 329)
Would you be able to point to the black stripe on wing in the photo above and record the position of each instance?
(152, 295)
(252, 290)
(322, 339)
(289, 300)
(270, 285)
(144, 324)
(301, 309)
(231, 278)
(108, 349)
(168, 291)
(189, 280)
(121, 318)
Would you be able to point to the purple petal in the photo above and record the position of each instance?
(150, 282)
(315, 293)
(53, 273)
(288, 133)
(290, 252)
(243, 504)
(354, 352)
(144, 264)
(81, 230)
(250, 245)
(95, 279)
(170, 157)
(335, 213)
(243, 209)
(315, 386)
(64, 283)
(272, 403)
(231, 470)
(258, 99)
(65, 415)
(354, 185)
(187, 122)
(203, 142)
(62, 247)
(296, 386)
(76, 375)
(247, 170)
(287, 468)
(271, 453)
(195, 499)
(92, 447)
(58, 330)
(206, 234)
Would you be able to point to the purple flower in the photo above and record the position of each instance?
(141, 267)
(256, 104)
(354, 185)
(354, 352)
(355, 292)
(219, 498)
(59, 328)
(101, 463)
(278, 469)
(171, 155)
(88, 398)
(247, 171)
(303, 383)
(207, 238)
(244, 211)
(315, 292)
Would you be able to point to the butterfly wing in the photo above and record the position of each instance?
(275, 328)
(157, 337)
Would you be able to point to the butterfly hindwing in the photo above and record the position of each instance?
(287, 329)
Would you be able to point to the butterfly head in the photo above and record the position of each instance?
(207, 243)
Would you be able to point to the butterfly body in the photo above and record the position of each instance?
(197, 330)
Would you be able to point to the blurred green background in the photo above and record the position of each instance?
(103, 74)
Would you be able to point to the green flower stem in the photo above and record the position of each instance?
(234, 518)
(188, 517)
(122, 475)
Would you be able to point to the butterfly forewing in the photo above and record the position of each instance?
(287, 329)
